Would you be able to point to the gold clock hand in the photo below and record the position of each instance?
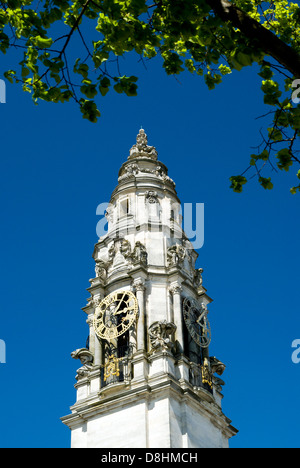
(120, 302)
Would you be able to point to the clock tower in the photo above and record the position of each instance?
(147, 379)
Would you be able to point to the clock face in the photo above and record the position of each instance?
(115, 315)
(195, 317)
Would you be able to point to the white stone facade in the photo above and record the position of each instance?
(153, 386)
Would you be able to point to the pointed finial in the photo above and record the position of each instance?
(141, 139)
(141, 148)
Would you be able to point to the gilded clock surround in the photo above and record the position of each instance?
(115, 314)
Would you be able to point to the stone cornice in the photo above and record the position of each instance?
(156, 388)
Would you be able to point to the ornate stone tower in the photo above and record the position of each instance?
(147, 379)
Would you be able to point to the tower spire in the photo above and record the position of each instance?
(147, 379)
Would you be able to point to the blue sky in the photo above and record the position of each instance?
(55, 170)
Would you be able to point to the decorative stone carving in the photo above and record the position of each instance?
(112, 252)
(119, 252)
(139, 254)
(216, 365)
(101, 270)
(139, 284)
(151, 197)
(141, 149)
(110, 214)
(175, 288)
(198, 280)
(175, 255)
(86, 358)
(195, 375)
(125, 248)
(160, 333)
(131, 170)
(219, 383)
(153, 208)
(160, 172)
(94, 302)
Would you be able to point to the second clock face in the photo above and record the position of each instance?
(197, 323)
(115, 315)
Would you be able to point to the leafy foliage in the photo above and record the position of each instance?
(197, 36)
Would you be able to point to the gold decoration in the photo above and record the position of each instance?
(115, 315)
(111, 368)
(206, 375)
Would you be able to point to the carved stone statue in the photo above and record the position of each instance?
(86, 358)
(175, 255)
(139, 254)
(101, 270)
(160, 333)
(131, 170)
(125, 248)
(198, 280)
(217, 367)
(112, 252)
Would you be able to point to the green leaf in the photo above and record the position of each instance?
(104, 86)
(89, 110)
(126, 84)
(243, 59)
(224, 70)
(89, 90)
(266, 72)
(237, 183)
(9, 75)
(172, 63)
(266, 183)
(264, 156)
(294, 190)
(284, 159)
(81, 68)
(42, 43)
(275, 134)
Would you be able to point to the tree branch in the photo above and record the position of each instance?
(253, 30)
(76, 24)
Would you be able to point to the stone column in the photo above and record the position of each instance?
(139, 285)
(176, 290)
(92, 336)
(97, 342)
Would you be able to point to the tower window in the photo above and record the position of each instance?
(124, 207)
